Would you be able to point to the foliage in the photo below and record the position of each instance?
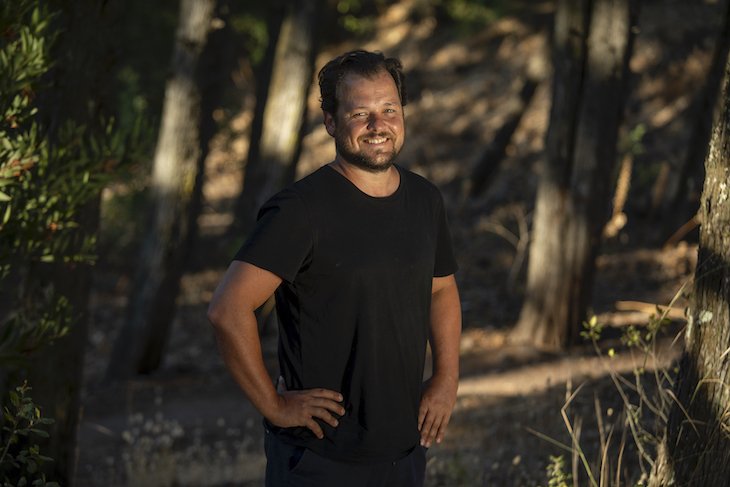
(633, 141)
(471, 15)
(49, 174)
(254, 31)
(146, 31)
(557, 477)
(46, 179)
(646, 401)
(30, 216)
(353, 18)
(19, 463)
(28, 330)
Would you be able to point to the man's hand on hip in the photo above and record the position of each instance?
(437, 402)
(301, 408)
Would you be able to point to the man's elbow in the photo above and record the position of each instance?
(216, 315)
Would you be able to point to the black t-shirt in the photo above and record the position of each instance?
(354, 304)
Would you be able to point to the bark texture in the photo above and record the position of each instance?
(176, 167)
(696, 447)
(591, 48)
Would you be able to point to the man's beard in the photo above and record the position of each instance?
(380, 162)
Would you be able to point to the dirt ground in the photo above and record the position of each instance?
(189, 425)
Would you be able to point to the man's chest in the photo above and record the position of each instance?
(375, 242)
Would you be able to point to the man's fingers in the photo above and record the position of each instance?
(328, 405)
(325, 416)
(432, 426)
(426, 428)
(326, 394)
(315, 428)
(306, 407)
(442, 429)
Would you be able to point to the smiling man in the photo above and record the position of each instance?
(359, 257)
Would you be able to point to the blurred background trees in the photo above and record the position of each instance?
(174, 194)
(272, 162)
(592, 45)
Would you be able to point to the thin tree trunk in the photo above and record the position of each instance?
(592, 45)
(173, 191)
(284, 112)
(696, 447)
(263, 82)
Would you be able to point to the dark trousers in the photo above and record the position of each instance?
(294, 466)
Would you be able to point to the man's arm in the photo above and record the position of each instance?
(439, 396)
(243, 289)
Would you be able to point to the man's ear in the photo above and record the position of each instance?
(329, 123)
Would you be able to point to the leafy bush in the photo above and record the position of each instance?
(20, 460)
(49, 173)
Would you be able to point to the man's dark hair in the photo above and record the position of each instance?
(362, 63)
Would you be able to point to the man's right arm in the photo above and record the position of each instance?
(243, 289)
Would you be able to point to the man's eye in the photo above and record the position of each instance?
(390, 110)
(359, 114)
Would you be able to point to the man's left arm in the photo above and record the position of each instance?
(439, 396)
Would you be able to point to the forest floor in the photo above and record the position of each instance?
(189, 425)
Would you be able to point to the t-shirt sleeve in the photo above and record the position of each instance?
(445, 263)
(281, 241)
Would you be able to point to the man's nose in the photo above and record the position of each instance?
(375, 122)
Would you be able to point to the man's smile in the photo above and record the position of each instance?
(375, 139)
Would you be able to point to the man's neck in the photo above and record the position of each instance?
(378, 184)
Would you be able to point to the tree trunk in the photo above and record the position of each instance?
(263, 82)
(696, 447)
(180, 150)
(284, 113)
(592, 46)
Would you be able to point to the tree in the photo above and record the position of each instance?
(174, 197)
(272, 161)
(591, 46)
(56, 153)
(695, 450)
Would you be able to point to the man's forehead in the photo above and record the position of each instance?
(353, 80)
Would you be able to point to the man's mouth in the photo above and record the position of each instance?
(375, 140)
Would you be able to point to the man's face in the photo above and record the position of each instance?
(368, 127)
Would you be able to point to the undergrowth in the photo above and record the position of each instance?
(628, 440)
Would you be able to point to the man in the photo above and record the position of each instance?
(359, 257)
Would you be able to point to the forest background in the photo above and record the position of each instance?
(138, 139)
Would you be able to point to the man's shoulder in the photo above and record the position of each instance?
(301, 191)
(419, 182)
(310, 185)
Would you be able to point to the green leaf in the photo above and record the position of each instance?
(41, 433)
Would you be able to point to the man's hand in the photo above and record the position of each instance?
(437, 402)
(300, 408)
